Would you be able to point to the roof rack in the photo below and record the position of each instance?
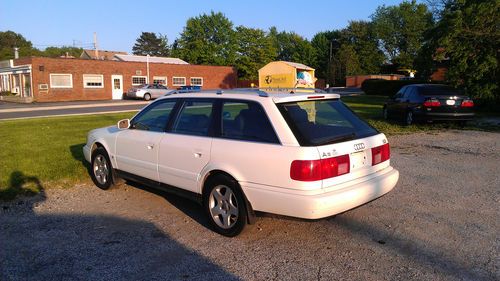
(262, 92)
(291, 90)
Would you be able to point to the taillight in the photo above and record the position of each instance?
(467, 103)
(380, 154)
(432, 103)
(314, 170)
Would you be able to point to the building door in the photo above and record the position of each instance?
(117, 85)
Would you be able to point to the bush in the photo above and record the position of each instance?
(383, 87)
(6, 93)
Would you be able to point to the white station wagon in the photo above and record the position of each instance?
(300, 154)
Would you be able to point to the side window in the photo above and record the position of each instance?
(409, 94)
(194, 118)
(245, 120)
(155, 117)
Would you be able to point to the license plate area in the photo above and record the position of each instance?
(450, 102)
(358, 160)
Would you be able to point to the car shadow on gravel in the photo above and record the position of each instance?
(414, 250)
(188, 207)
(39, 246)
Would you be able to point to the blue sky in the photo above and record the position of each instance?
(119, 23)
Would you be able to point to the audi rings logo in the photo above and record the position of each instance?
(359, 146)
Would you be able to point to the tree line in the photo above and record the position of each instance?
(462, 35)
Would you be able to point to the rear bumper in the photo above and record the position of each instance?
(447, 116)
(134, 95)
(323, 204)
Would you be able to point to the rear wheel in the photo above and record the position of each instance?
(225, 206)
(147, 97)
(102, 171)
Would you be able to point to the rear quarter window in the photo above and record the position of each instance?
(321, 122)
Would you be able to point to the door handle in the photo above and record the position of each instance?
(150, 146)
(197, 155)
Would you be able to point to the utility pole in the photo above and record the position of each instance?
(96, 52)
(147, 68)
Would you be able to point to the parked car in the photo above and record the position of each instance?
(148, 91)
(429, 102)
(299, 154)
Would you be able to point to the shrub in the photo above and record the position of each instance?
(382, 87)
(6, 93)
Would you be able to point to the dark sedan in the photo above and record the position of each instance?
(429, 102)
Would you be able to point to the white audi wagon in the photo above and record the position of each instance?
(298, 153)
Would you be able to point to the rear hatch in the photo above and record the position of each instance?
(349, 148)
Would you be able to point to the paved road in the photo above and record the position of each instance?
(20, 111)
(439, 223)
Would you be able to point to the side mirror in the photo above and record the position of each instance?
(123, 124)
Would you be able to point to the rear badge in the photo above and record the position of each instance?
(359, 146)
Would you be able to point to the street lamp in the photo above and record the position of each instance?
(336, 42)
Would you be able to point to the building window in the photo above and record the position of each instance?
(61, 80)
(138, 80)
(196, 81)
(93, 81)
(160, 80)
(179, 81)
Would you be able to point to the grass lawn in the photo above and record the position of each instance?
(36, 153)
(45, 152)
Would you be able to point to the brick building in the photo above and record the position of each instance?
(58, 79)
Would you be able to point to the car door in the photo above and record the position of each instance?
(185, 148)
(393, 106)
(137, 147)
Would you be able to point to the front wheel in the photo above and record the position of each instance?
(225, 206)
(102, 171)
(409, 118)
(147, 97)
(385, 114)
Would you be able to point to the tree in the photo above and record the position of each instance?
(9, 40)
(151, 44)
(292, 47)
(208, 39)
(400, 30)
(255, 49)
(323, 44)
(55, 52)
(467, 37)
(360, 35)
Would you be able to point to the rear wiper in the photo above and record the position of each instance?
(340, 138)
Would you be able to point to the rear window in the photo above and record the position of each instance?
(320, 122)
(439, 90)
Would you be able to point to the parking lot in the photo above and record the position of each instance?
(439, 223)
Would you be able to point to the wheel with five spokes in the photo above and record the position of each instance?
(225, 206)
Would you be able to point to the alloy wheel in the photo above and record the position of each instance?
(223, 206)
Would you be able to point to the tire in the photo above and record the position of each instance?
(409, 118)
(462, 123)
(101, 170)
(385, 113)
(224, 205)
(147, 97)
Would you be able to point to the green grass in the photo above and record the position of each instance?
(37, 153)
(46, 152)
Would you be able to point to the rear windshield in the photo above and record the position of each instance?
(320, 122)
(439, 90)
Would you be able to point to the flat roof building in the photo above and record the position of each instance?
(43, 79)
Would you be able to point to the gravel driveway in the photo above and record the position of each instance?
(441, 222)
